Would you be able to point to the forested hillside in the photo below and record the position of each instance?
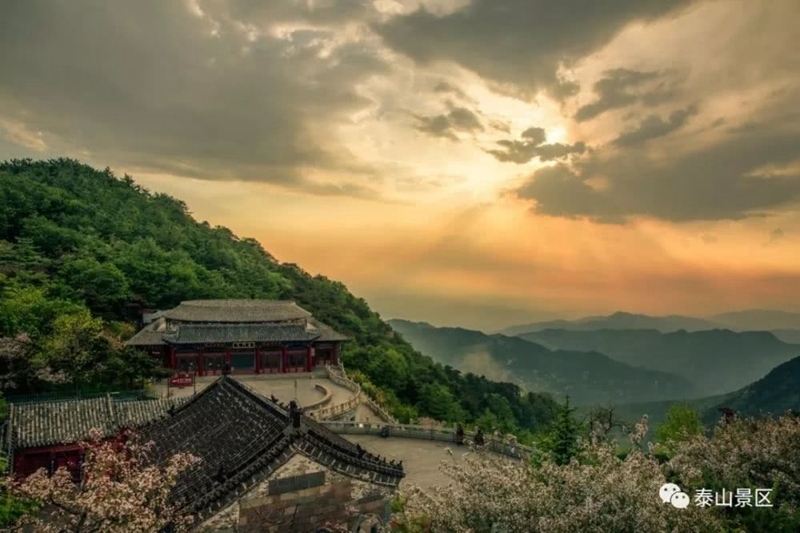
(775, 394)
(80, 247)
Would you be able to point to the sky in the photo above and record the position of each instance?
(477, 163)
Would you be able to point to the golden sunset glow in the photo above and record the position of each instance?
(389, 149)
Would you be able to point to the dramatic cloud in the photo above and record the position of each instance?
(327, 12)
(523, 42)
(446, 87)
(654, 126)
(458, 119)
(667, 118)
(532, 146)
(724, 180)
(164, 87)
(622, 87)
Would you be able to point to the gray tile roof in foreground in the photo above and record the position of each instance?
(68, 421)
(237, 311)
(242, 438)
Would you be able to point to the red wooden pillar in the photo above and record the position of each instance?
(335, 358)
(258, 361)
(284, 360)
(228, 360)
(200, 362)
(310, 358)
(172, 363)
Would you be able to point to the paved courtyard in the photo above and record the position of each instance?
(284, 389)
(421, 458)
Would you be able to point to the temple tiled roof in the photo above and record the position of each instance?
(237, 311)
(151, 335)
(68, 421)
(326, 333)
(231, 321)
(241, 438)
(228, 333)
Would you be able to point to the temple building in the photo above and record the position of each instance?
(264, 466)
(250, 336)
(47, 434)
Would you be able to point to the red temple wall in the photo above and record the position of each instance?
(212, 360)
(28, 460)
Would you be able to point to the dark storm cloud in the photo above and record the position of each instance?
(336, 12)
(146, 84)
(446, 87)
(723, 181)
(621, 88)
(446, 125)
(653, 126)
(532, 146)
(523, 42)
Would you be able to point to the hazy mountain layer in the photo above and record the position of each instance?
(758, 320)
(775, 393)
(588, 377)
(715, 361)
(784, 324)
(618, 321)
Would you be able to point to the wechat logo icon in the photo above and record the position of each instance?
(672, 494)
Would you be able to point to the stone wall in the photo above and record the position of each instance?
(503, 446)
(302, 496)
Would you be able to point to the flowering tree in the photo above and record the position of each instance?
(749, 454)
(596, 492)
(119, 492)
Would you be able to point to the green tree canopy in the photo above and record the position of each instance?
(80, 248)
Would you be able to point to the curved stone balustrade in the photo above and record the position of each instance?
(407, 431)
(339, 377)
(335, 410)
(327, 395)
(349, 405)
(380, 410)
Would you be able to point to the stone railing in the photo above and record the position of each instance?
(349, 405)
(336, 410)
(498, 445)
(326, 399)
(339, 376)
(341, 379)
(380, 410)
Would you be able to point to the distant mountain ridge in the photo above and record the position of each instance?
(758, 320)
(588, 377)
(783, 324)
(717, 361)
(619, 320)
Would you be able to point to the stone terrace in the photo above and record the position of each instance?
(282, 387)
(421, 458)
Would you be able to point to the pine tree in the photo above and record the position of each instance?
(565, 434)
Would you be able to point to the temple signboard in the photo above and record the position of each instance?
(181, 380)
